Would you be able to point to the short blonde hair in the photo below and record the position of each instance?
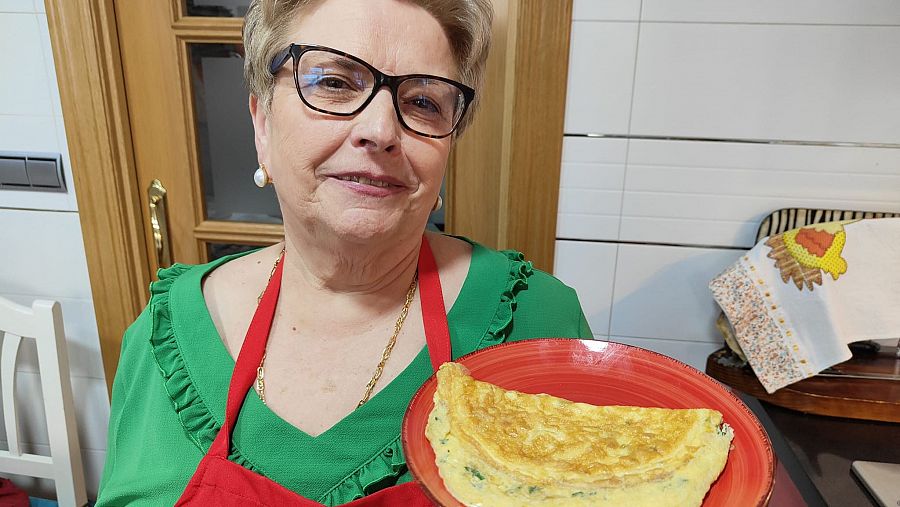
(466, 23)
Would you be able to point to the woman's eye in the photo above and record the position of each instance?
(425, 104)
(333, 83)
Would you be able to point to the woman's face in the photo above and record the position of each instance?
(324, 166)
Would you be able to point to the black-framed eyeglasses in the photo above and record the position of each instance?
(338, 83)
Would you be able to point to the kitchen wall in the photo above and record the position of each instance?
(41, 249)
(689, 121)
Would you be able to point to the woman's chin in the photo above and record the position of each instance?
(361, 226)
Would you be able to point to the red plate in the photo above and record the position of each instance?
(604, 373)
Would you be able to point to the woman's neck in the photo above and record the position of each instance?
(382, 267)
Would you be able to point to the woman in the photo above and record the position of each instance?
(357, 159)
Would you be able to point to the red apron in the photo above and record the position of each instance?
(223, 483)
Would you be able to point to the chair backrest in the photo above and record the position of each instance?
(791, 218)
(43, 323)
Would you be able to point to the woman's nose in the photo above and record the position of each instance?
(377, 127)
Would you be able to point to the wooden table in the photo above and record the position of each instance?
(850, 395)
(817, 450)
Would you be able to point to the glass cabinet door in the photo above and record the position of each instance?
(225, 148)
(216, 8)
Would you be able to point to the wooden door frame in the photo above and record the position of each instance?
(92, 93)
(504, 177)
(503, 181)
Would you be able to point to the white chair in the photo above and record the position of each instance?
(43, 322)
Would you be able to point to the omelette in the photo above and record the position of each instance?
(499, 448)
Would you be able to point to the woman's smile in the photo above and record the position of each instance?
(368, 184)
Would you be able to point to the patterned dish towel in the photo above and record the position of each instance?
(798, 298)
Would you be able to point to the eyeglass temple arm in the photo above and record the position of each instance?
(280, 58)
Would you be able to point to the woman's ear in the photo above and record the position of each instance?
(260, 128)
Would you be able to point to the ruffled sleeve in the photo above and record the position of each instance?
(381, 471)
(519, 272)
(199, 423)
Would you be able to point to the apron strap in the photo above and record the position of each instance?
(434, 316)
(249, 358)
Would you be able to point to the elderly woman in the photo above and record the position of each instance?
(355, 104)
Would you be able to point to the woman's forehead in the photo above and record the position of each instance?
(395, 36)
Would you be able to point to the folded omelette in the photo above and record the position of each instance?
(499, 448)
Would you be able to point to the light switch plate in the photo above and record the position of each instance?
(30, 171)
(42, 173)
(12, 172)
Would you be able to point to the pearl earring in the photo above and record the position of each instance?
(261, 176)
(437, 204)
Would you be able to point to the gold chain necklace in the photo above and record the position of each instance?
(385, 354)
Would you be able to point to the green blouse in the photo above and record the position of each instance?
(169, 393)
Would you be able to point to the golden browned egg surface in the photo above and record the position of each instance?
(496, 447)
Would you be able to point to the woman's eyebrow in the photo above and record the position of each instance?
(342, 62)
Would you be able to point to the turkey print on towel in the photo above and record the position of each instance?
(802, 254)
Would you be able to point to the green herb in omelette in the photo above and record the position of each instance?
(475, 473)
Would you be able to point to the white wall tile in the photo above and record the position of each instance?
(27, 133)
(40, 202)
(667, 218)
(811, 159)
(82, 338)
(71, 203)
(841, 12)
(591, 201)
(30, 411)
(49, 68)
(593, 150)
(38, 6)
(738, 183)
(23, 89)
(589, 268)
(591, 181)
(92, 407)
(601, 70)
(587, 226)
(45, 255)
(692, 353)
(682, 231)
(16, 6)
(91, 460)
(793, 82)
(606, 10)
(661, 292)
(711, 193)
(91, 411)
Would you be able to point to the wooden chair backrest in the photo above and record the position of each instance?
(786, 219)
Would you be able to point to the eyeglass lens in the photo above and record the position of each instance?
(337, 84)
